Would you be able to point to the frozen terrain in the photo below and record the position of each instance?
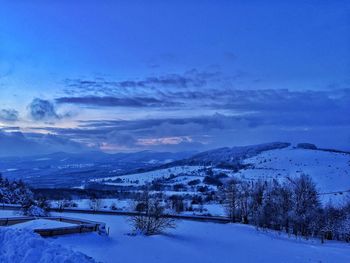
(329, 170)
(24, 246)
(200, 242)
(192, 242)
(142, 178)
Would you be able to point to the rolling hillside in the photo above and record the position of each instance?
(330, 170)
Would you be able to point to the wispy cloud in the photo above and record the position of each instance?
(190, 78)
(134, 102)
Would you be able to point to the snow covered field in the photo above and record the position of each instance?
(200, 242)
(142, 178)
(195, 242)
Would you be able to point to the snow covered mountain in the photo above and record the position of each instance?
(330, 169)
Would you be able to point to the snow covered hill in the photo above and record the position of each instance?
(231, 156)
(148, 177)
(330, 170)
(222, 160)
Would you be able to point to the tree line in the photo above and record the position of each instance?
(293, 206)
(17, 192)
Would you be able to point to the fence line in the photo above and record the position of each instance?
(82, 226)
(214, 219)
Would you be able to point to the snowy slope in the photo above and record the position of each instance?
(142, 178)
(329, 170)
(231, 155)
(196, 242)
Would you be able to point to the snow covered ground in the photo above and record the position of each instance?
(24, 246)
(194, 242)
(200, 242)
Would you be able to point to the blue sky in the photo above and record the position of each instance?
(173, 75)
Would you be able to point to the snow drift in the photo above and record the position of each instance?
(22, 245)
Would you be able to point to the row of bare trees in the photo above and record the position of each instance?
(293, 206)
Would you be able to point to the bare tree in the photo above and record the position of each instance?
(151, 220)
(243, 201)
(95, 203)
(63, 203)
(230, 200)
(306, 204)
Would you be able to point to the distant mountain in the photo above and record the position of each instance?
(230, 156)
(330, 168)
(71, 169)
(61, 158)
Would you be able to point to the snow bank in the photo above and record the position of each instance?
(24, 246)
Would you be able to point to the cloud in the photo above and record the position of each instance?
(242, 116)
(193, 78)
(152, 133)
(9, 115)
(120, 138)
(135, 102)
(206, 90)
(42, 110)
(275, 113)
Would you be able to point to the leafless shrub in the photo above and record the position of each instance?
(151, 220)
